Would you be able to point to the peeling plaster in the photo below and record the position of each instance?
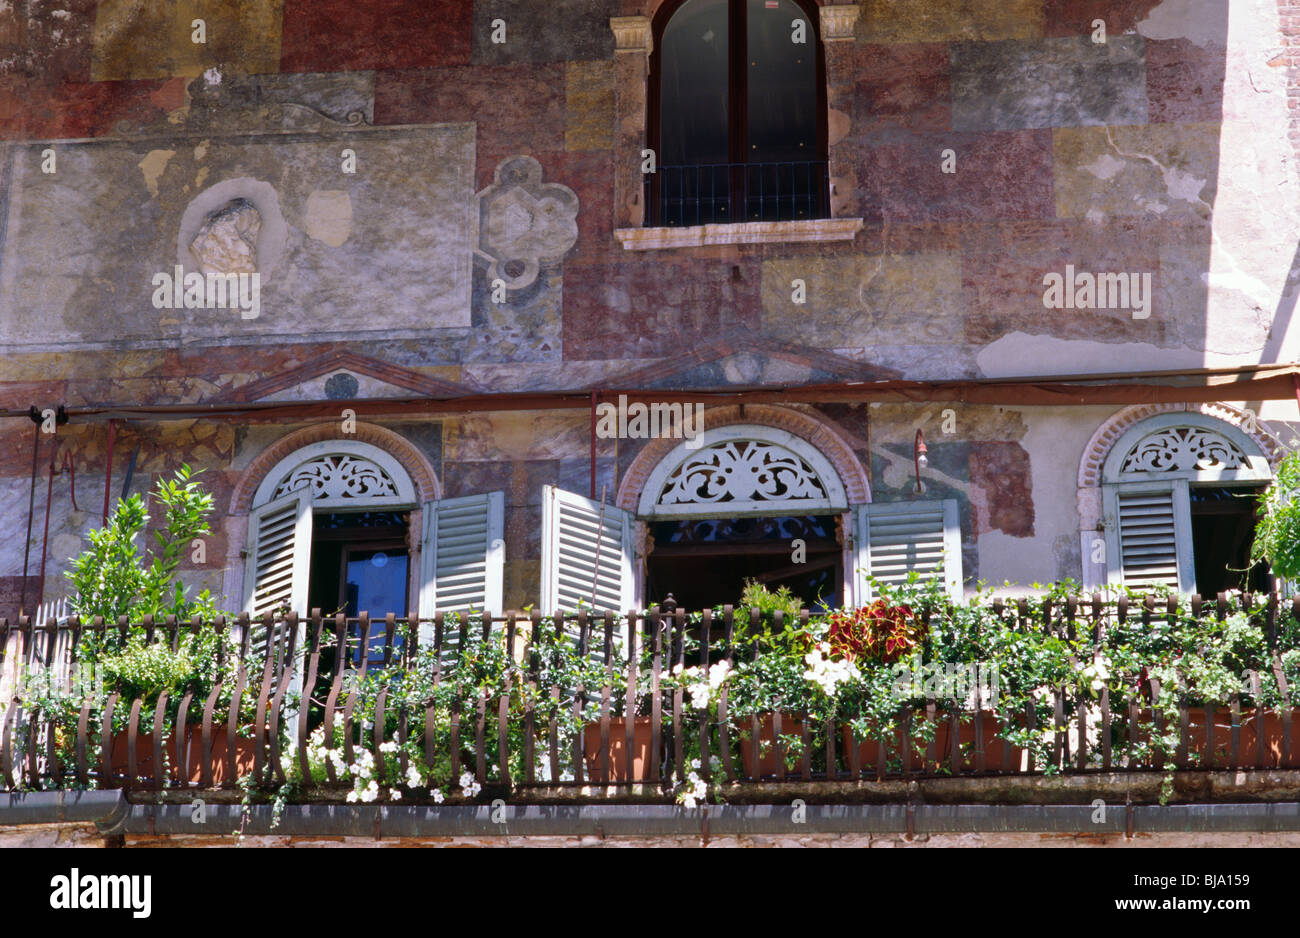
(153, 166)
(328, 217)
(1203, 22)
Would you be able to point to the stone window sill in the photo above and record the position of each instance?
(752, 232)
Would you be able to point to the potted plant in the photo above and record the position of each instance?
(769, 679)
(113, 578)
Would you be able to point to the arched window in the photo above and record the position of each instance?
(340, 525)
(751, 501)
(737, 113)
(1179, 494)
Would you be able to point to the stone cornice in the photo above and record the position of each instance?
(632, 34)
(754, 232)
(837, 21)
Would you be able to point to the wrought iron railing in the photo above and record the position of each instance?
(724, 193)
(526, 732)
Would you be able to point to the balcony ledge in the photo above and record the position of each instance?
(750, 232)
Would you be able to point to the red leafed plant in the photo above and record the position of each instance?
(879, 632)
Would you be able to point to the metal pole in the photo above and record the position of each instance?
(31, 508)
(108, 469)
(593, 444)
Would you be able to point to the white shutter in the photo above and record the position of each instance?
(279, 551)
(586, 553)
(462, 554)
(1148, 537)
(895, 538)
(279, 554)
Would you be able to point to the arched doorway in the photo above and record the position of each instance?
(756, 503)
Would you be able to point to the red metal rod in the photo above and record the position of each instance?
(593, 443)
(108, 469)
(45, 538)
(31, 509)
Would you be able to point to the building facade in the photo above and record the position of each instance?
(496, 303)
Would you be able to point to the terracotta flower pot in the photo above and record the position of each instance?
(619, 770)
(1218, 752)
(994, 747)
(1220, 745)
(193, 752)
(869, 748)
(765, 765)
(1270, 725)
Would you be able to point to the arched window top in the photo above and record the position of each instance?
(737, 113)
(1188, 446)
(743, 470)
(340, 474)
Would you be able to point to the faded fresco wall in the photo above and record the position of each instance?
(1170, 149)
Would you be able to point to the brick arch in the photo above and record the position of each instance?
(1098, 448)
(814, 431)
(412, 460)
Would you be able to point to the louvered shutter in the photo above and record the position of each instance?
(586, 553)
(279, 552)
(1148, 536)
(462, 554)
(896, 538)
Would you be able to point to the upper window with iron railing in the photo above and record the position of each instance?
(737, 114)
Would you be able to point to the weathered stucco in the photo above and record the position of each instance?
(1169, 150)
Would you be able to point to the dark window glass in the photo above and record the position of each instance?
(738, 113)
(782, 83)
(695, 86)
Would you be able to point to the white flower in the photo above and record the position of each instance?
(352, 796)
(413, 779)
(688, 799)
(466, 779)
(389, 746)
(437, 796)
(394, 794)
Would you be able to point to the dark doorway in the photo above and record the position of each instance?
(360, 563)
(705, 563)
(1223, 529)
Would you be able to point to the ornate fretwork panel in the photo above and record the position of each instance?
(339, 478)
(1184, 449)
(742, 471)
(744, 530)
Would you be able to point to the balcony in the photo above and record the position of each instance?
(737, 203)
(1043, 701)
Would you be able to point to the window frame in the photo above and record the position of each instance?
(1115, 482)
(738, 110)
